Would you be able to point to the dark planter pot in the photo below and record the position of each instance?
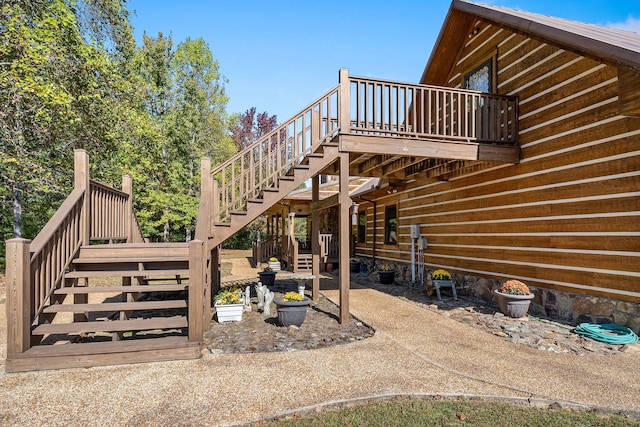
(292, 312)
(354, 267)
(513, 305)
(267, 277)
(387, 277)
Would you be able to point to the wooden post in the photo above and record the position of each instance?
(81, 180)
(215, 208)
(345, 101)
(196, 289)
(18, 293)
(127, 187)
(315, 239)
(345, 233)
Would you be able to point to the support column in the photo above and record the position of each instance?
(196, 290)
(127, 187)
(315, 239)
(345, 233)
(18, 296)
(81, 181)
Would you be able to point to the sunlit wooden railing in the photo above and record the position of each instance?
(53, 249)
(386, 108)
(258, 166)
(108, 212)
(371, 107)
(328, 246)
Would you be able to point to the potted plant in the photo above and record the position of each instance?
(514, 298)
(292, 308)
(267, 276)
(354, 265)
(274, 264)
(229, 306)
(386, 274)
(442, 278)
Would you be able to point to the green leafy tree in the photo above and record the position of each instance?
(185, 95)
(63, 85)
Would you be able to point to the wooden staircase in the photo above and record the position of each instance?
(120, 303)
(313, 164)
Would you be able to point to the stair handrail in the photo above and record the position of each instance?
(53, 249)
(259, 165)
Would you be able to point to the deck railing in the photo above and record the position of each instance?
(108, 211)
(53, 249)
(385, 108)
(258, 166)
(364, 106)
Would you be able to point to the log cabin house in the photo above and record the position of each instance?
(515, 156)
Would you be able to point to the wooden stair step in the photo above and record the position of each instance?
(255, 201)
(77, 274)
(115, 306)
(82, 355)
(271, 189)
(126, 260)
(135, 250)
(222, 224)
(237, 212)
(286, 178)
(123, 289)
(176, 322)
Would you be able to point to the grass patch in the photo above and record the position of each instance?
(415, 412)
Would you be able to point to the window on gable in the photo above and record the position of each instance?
(391, 225)
(481, 77)
(362, 227)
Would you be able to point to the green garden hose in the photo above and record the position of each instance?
(609, 333)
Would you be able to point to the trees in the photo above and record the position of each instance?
(248, 127)
(185, 96)
(60, 88)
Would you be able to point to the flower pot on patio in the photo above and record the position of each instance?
(386, 276)
(354, 266)
(267, 278)
(274, 265)
(229, 312)
(513, 305)
(292, 312)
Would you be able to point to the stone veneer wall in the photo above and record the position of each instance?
(559, 305)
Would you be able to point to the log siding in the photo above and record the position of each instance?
(567, 216)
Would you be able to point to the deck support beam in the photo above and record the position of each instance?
(315, 239)
(345, 237)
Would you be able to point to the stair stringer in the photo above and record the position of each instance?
(223, 231)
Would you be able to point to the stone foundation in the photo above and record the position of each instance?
(560, 305)
(563, 306)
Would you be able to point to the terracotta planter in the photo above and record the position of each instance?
(267, 278)
(387, 277)
(292, 312)
(513, 305)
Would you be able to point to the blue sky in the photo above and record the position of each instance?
(280, 55)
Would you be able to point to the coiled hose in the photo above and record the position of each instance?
(610, 333)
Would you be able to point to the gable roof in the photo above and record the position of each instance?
(612, 44)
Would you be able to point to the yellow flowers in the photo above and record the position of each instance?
(292, 296)
(226, 297)
(441, 274)
(273, 259)
(514, 287)
(385, 267)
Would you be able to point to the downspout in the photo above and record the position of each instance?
(373, 249)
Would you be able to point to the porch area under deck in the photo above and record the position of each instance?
(397, 132)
